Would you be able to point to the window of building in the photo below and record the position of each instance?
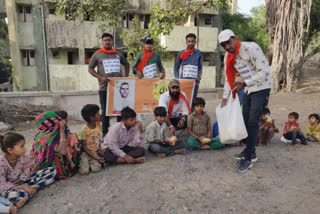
(144, 21)
(127, 20)
(24, 14)
(88, 54)
(55, 53)
(28, 57)
(87, 16)
(73, 57)
(207, 20)
(52, 11)
(195, 21)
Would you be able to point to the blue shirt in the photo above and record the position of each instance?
(194, 59)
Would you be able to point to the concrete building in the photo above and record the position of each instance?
(50, 53)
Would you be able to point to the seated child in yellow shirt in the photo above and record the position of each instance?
(313, 128)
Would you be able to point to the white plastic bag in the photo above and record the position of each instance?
(230, 121)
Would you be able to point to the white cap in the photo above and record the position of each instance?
(225, 35)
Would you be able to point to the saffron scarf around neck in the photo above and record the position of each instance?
(174, 102)
(103, 50)
(230, 69)
(186, 54)
(145, 59)
(112, 51)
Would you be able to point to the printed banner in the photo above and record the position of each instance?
(142, 95)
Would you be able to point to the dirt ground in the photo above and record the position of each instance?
(285, 180)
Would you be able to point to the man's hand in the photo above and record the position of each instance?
(129, 159)
(163, 75)
(139, 74)
(103, 79)
(181, 123)
(100, 159)
(172, 131)
(198, 79)
(223, 102)
(238, 86)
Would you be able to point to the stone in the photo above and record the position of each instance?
(4, 127)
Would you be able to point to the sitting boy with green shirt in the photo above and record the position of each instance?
(199, 128)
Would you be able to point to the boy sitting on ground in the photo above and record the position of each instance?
(291, 130)
(90, 136)
(313, 128)
(157, 135)
(199, 128)
(267, 129)
(115, 147)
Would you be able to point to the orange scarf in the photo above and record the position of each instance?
(230, 69)
(112, 51)
(186, 54)
(144, 60)
(173, 102)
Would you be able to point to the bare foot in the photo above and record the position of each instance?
(180, 151)
(21, 202)
(205, 147)
(297, 145)
(140, 160)
(13, 210)
(161, 155)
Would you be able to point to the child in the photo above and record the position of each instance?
(72, 147)
(313, 128)
(121, 144)
(157, 135)
(291, 130)
(16, 183)
(199, 128)
(267, 128)
(90, 136)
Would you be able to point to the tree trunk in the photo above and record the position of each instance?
(288, 24)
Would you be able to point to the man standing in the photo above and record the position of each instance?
(174, 100)
(190, 60)
(248, 60)
(148, 61)
(107, 61)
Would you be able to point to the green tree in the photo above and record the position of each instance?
(252, 28)
(4, 45)
(162, 20)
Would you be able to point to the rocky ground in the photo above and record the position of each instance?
(285, 180)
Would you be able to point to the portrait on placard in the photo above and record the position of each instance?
(124, 93)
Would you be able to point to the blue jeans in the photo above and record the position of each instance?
(165, 148)
(252, 108)
(294, 136)
(240, 96)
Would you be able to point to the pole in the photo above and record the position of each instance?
(44, 39)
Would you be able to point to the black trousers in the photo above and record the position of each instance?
(105, 119)
(252, 108)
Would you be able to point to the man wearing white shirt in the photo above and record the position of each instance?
(174, 100)
(246, 67)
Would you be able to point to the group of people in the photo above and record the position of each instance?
(57, 153)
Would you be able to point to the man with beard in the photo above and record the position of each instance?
(190, 60)
(174, 100)
(246, 67)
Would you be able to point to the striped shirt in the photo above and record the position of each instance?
(199, 126)
(119, 137)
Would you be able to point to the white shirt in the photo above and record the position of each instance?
(164, 101)
(253, 68)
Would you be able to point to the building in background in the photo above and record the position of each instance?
(50, 53)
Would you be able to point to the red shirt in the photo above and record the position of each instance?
(289, 124)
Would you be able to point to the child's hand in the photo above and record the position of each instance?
(102, 151)
(62, 124)
(29, 189)
(200, 139)
(72, 164)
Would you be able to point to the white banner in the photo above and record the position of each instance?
(111, 65)
(190, 71)
(150, 71)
